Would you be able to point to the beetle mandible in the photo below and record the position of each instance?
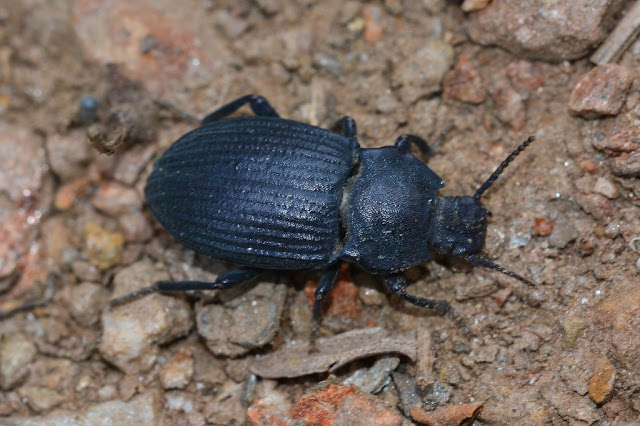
(269, 193)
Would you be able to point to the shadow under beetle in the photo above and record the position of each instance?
(271, 193)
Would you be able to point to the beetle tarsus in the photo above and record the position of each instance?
(135, 295)
(398, 284)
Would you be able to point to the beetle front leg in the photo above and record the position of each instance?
(224, 281)
(397, 283)
(259, 105)
(323, 289)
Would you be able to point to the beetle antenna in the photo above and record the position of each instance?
(487, 184)
(481, 261)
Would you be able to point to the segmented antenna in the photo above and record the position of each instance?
(501, 168)
(481, 261)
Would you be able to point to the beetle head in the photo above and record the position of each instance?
(459, 224)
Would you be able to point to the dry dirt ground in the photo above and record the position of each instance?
(74, 231)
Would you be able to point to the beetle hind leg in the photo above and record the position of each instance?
(224, 281)
(348, 128)
(259, 105)
(397, 283)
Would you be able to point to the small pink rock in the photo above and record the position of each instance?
(509, 104)
(115, 199)
(464, 83)
(625, 140)
(178, 371)
(607, 188)
(525, 75)
(601, 91)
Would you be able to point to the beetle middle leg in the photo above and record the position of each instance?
(323, 289)
(224, 281)
(259, 105)
(397, 283)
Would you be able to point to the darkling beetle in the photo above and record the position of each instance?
(270, 193)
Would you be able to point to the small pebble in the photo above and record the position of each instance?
(601, 91)
(501, 296)
(422, 73)
(116, 199)
(86, 301)
(612, 230)
(464, 83)
(602, 383)
(23, 158)
(16, 353)
(178, 371)
(107, 392)
(535, 298)
(102, 248)
(373, 26)
(473, 5)
(132, 331)
(525, 75)
(40, 398)
(543, 226)
(340, 404)
(625, 140)
(68, 193)
(509, 104)
(607, 188)
(273, 408)
(627, 164)
(371, 380)
(250, 320)
(69, 154)
(588, 166)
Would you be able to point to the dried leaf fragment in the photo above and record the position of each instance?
(294, 360)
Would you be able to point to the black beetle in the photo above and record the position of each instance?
(270, 193)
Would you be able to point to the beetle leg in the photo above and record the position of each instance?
(259, 105)
(398, 285)
(323, 289)
(224, 281)
(348, 127)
